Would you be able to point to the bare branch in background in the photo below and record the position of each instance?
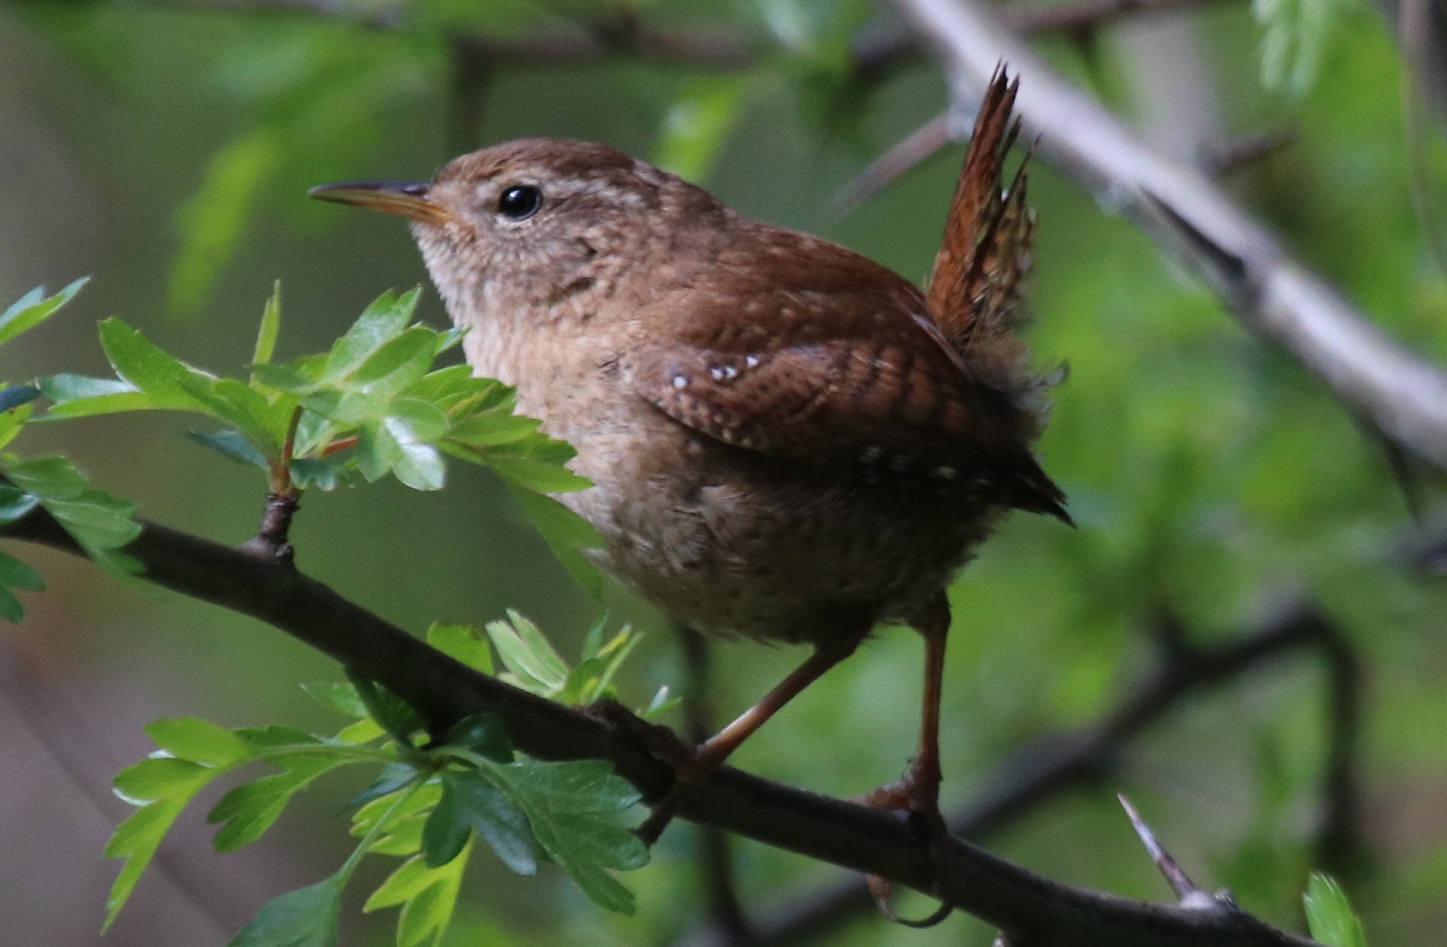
(1271, 294)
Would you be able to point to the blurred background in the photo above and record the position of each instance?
(164, 147)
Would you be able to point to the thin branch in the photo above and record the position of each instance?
(714, 49)
(1270, 293)
(1062, 763)
(1025, 906)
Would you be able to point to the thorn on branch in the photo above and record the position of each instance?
(1186, 891)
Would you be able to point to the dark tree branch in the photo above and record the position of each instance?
(1063, 763)
(1025, 906)
(1270, 293)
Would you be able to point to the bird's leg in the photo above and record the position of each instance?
(919, 790)
(711, 753)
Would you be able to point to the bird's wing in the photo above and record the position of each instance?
(849, 374)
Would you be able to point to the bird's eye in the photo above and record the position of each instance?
(520, 201)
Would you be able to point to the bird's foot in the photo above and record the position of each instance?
(917, 793)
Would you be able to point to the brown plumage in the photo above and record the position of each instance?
(788, 441)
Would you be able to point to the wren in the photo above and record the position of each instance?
(788, 442)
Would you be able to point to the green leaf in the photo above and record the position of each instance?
(382, 322)
(1296, 35)
(1329, 916)
(199, 741)
(427, 895)
(161, 777)
(13, 396)
(232, 445)
(10, 607)
(270, 329)
(248, 810)
(154, 371)
(77, 396)
(476, 803)
(15, 574)
(33, 308)
(444, 834)
(463, 643)
(527, 653)
(483, 734)
(394, 714)
(15, 502)
(398, 363)
(48, 478)
(306, 917)
(540, 475)
(420, 467)
(136, 840)
(567, 805)
(338, 696)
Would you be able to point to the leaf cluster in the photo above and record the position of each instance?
(433, 802)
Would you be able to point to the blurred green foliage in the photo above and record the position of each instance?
(1209, 475)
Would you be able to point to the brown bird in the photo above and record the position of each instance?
(788, 442)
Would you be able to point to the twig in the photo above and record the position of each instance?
(1025, 906)
(1269, 292)
(1062, 763)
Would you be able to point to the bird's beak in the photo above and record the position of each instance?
(405, 198)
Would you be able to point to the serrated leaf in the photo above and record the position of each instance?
(567, 805)
(1329, 916)
(248, 810)
(306, 917)
(33, 308)
(463, 643)
(428, 897)
(526, 652)
(478, 804)
(136, 840)
(199, 741)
